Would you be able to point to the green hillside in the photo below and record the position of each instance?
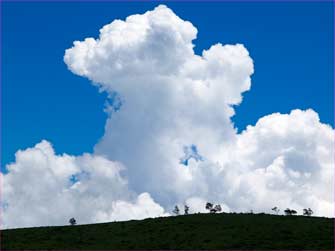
(196, 231)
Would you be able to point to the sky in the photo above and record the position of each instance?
(274, 85)
(291, 44)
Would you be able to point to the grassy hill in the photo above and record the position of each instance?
(197, 231)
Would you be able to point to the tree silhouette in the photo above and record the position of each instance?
(176, 210)
(307, 212)
(209, 206)
(275, 209)
(186, 208)
(72, 221)
(212, 209)
(217, 208)
(288, 211)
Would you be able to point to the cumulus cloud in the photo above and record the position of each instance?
(285, 160)
(169, 138)
(143, 207)
(172, 98)
(42, 188)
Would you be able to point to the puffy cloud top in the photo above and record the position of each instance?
(156, 45)
(290, 157)
(156, 42)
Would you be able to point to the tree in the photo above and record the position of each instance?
(288, 211)
(186, 208)
(72, 221)
(209, 206)
(218, 208)
(275, 209)
(212, 209)
(307, 212)
(176, 210)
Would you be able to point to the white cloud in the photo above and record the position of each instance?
(287, 159)
(143, 207)
(172, 98)
(163, 100)
(38, 190)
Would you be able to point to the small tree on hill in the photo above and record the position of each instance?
(288, 211)
(176, 210)
(186, 208)
(275, 209)
(307, 212)
(72, 221)
(209, 206)
(212, 208)
(217, 208)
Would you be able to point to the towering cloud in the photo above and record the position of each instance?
(169, 138)
(170, 97)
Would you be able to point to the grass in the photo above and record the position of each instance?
(194, 232)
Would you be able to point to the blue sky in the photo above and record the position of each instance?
(291, 45)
